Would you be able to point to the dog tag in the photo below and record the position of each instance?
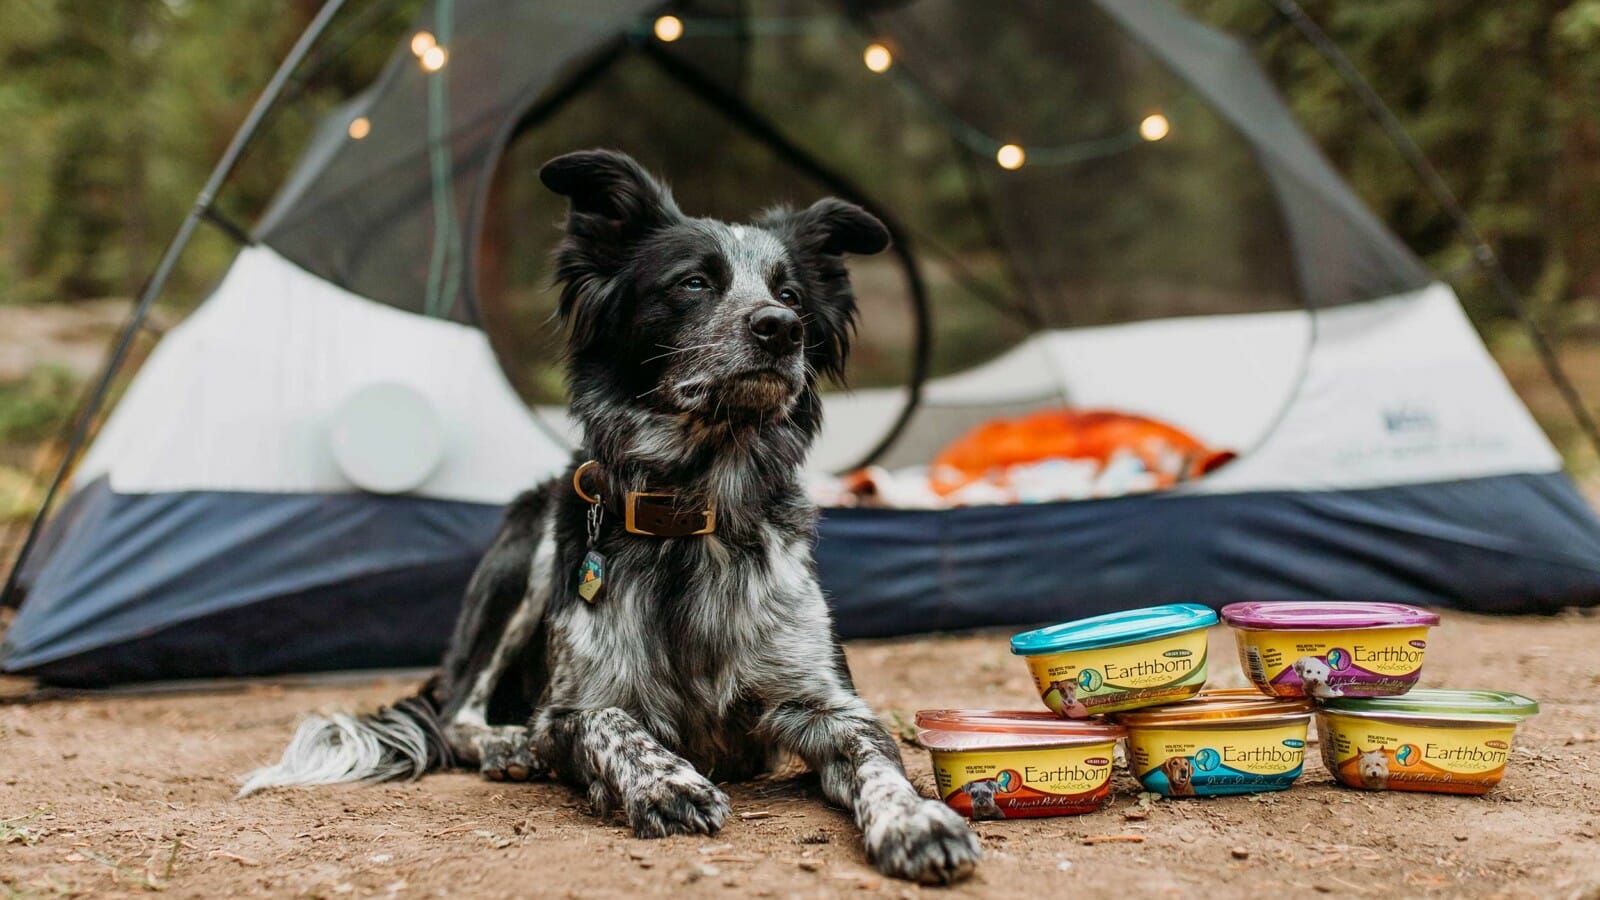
(592, 577)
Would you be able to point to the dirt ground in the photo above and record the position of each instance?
(123, 796)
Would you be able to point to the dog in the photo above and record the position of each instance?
(694, 354)
(1068, 691)
(1314, 674)
(981, 793)
(1180, 775)
(1373, 767)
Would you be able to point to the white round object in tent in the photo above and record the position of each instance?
(386, 438)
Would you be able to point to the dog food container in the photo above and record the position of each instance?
(1328, 650)
(1118, 661)
(992, 764)
(1438, 741)
(1220, 742)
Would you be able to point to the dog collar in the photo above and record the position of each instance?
(650, 513)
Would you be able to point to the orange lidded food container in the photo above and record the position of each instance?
(1000, 764)
(1220, 742)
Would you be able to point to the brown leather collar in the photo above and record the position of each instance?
(650, 513)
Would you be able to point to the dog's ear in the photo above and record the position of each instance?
(613, 202)
(835, 227)
(819, 236)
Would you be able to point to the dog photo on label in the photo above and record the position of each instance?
(1314, 674)
(651, 619)
(982, 794)
(1180, 775)
(1373, 767)
(1067, 690)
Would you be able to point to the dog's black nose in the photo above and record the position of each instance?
(777, 329)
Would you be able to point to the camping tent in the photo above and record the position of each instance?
(303, 473)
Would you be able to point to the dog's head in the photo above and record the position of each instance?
(1067, 689)
(1179, 771)
(1312, 671)
(982, 792)
(1373, 764)
(710, 324)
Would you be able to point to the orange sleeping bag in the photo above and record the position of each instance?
(988, 451)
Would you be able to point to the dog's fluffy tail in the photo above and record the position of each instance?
(400, 741)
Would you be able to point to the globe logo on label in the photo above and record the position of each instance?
(1009, 780)
(1407, 754)
(1090, 679)
(1207, 759)
(1338, 659)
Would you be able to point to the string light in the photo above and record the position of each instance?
(1010, 157)
(1154, 127)
(434, 58)
(422, 42)
(669, 29)
(360, 127)
(878, 58)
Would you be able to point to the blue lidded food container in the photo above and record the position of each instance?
(1119, 661)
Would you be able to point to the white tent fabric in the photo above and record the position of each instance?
(1395, 391)
(241, 396)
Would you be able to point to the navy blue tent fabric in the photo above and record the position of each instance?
(392, 619)
(137, 565)
(363, 581)
(1471, 545)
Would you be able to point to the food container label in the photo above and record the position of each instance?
(1016, 784)
(1358, 663)
(1189, 762)
(1081, 683)
(1382, 755)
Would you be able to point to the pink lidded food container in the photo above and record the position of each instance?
(1326, 650)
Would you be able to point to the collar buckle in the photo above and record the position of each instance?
(656, 514)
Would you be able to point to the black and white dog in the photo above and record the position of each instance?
(652, 621)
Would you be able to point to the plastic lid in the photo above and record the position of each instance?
(1114, 629)
(972, 729)
(1302, 615)
(1472, 706)
(1231, 706)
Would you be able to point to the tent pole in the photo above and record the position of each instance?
(758, 127)
(158, 281)
(1482, 254)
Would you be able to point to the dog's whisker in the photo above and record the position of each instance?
(674, 351)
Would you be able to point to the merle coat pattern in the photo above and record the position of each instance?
(694, 353)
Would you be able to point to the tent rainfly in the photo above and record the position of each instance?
(1102, 203)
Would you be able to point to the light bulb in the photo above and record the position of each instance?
(1010, 157)
(1154, 127)
(422, 42)
(434, 58)
(669, 28)
(360, 127)
(878, 58)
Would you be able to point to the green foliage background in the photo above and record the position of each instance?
(119, 109)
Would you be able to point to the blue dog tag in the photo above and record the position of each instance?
(592, 577)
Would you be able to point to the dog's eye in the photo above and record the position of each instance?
(694, 283)
(789, 296)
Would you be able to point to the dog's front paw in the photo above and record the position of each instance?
(928, 843)
(679, 802)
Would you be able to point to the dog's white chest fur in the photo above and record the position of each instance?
(735, 623)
